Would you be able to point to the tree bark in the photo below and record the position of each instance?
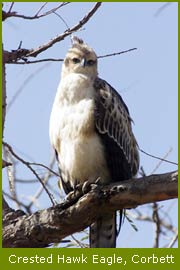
(53, 224)
(3, 91)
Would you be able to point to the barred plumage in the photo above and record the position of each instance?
(113, 122)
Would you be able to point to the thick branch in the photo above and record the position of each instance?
(53, 224)
(14, 55)
(3, 92)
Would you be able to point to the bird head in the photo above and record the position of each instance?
(81, 59)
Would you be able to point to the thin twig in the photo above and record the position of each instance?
(36, 16)
(11, 173)
(53, 9)
(44, 166)
(116, 53)
(26, 81)
(56, 191)
(17, 201)
(173, 241)
(163, 7)
(18, 55)
(156, 219)
(160, 162)
(38, 61)
(39, 10)
(155, 215)
(26, 163)
(165, 160)
(11, 6)
(143, 217)
(59, 16)
(61, 59)
(26, 181)
(45, 180)
(78, 242)
(85, 19)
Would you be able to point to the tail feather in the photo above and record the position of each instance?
(103, 232)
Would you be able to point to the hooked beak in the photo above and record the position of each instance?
(83, 62)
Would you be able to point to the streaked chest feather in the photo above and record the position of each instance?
(73, 109)
(72, 133)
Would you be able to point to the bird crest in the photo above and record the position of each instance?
(76, 40)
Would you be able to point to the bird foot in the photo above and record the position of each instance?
(88, 185)
(80, 190)
(75, 194)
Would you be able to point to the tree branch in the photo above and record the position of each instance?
(28, 165)
(24, 62)
(116, 53)
(53, 224)
(85, 19)
(34, 17)
(3, 92)
(24, 53)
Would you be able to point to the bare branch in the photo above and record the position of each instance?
(5, 163)
(11, 6)
(61, 59)
(34, 17)
(41, 8)
(22, 54)
(162, 159)
(5, 206)
(173, 241)
(14, 55)
(84, 20)
(46, 167)
(38, 61)
(156, 220)
(24, 83)
(26, 181)
(27, 164)
(10, 197)
(116, 53)
(163, 223)
(53, 224)
(161, 9)
(3, 92)
(45, 180)
(52, 10)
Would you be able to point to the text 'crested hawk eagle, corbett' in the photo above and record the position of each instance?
(90, 130)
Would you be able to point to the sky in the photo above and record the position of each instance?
(146, 79)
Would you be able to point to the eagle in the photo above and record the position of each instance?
(91, 132)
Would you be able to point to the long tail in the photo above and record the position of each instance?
(103, 232)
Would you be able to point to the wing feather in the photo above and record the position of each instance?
(113, 124)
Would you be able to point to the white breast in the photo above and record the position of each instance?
(72, 134)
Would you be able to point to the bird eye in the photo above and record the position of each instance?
(90, 62)
(76, 60)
